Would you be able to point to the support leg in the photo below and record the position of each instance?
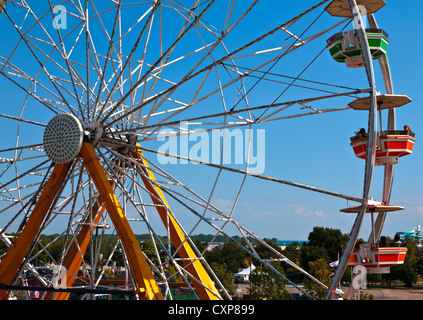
(203, 283)
(145, 283)
(14, 257)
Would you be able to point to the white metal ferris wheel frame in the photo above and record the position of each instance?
(9, 71)
(371, 144)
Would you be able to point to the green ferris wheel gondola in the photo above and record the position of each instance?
(344, 46)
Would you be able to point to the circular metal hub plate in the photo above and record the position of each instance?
(63, 138)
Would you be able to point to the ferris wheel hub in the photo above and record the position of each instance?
(63, 138)
(93, 132)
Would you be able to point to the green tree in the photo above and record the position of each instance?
(330, 239)
(266, 253)
(406, 272)
(293, 252)
(148, 248)
(268, 286)
(200, 245)
(230, 254)
(56, 249)
(225, 277)
(320, 270)
(408, 275)
(413, 255)
(312, 253)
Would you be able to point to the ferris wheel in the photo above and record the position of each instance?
(114, 105)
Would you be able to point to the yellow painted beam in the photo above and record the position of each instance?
(145, 283)
(204, 285)
(13, 259)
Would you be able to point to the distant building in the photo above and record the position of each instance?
(213, 245)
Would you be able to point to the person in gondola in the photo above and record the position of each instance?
(362, 133)
(397, 240)
(382, 242)
(407, 128)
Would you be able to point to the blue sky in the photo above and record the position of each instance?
(316, 151)
(313, 150)
(279, 211)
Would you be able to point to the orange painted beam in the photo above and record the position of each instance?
(145, 283)
(203, 284)
(14, 257)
